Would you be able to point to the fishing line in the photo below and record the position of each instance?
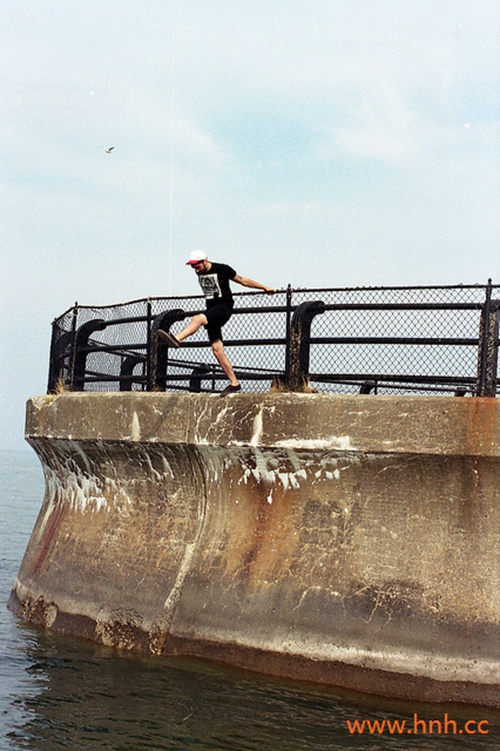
(171, 186)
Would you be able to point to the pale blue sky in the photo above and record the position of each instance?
(311, 142)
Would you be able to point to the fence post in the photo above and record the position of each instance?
(60, 349)
(287, 331)
(299, 344)
(82, 337)
(488, 346)
(72, 351)
(158, 354)
(149, 326)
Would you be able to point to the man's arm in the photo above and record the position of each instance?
(243, 280)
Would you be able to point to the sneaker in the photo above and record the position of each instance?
(230, 390)
(169, 338)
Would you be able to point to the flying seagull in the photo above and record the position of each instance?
(108, 151)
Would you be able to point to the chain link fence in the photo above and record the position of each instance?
(441, 340)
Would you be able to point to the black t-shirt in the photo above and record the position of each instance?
(215, 284)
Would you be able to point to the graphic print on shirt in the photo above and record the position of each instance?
(210, 286)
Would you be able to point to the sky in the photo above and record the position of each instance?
(317, 143)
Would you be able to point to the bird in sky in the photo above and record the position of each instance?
(108, 151)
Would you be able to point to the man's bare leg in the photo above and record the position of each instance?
(218, 350)
(194, 324)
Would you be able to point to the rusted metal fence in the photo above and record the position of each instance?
(435, 340)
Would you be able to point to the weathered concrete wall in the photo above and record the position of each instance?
(350, 540)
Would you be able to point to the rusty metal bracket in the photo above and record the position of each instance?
(83, 334)
(299, 345)
(487, 367)
(158, 352)
(127, 371)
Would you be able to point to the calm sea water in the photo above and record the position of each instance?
(60, 693)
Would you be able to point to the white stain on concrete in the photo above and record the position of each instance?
(340, 443)
(258, 427)
(136, 428)
(270, 469)
(166, 466)
(79, 491)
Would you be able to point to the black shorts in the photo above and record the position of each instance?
(217, 316)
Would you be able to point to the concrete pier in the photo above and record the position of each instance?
(347, 540)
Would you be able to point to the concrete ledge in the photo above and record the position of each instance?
(348, 540)
(364, 423)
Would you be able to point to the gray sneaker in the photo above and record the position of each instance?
(230, 390)
(169, 338)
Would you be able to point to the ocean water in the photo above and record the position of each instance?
(61, 693)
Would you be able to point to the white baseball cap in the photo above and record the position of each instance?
(195, 257)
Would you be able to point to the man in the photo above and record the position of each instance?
(214, 281)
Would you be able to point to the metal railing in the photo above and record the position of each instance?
(435, 340)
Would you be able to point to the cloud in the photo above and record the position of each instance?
(387, 128)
